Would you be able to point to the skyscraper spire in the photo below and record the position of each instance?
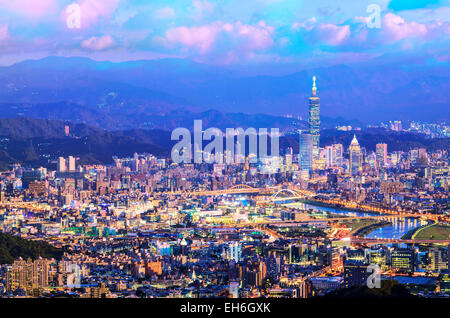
(314, 89)
(314, 120)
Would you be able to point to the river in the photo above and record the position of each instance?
(398, 228)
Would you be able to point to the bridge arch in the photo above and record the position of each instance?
(292, 192)
(241, 187)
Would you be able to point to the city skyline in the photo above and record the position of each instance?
(210, 157)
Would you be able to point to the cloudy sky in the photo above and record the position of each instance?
(230, 32)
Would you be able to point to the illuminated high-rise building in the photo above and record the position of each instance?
(72, 164)
(329, 156)
(355, 163)
(61, 164)
(381, 155)
(314, 119)
(305, 159)
(29, 276)
(338, 152)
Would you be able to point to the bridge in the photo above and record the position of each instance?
(294, 194)
(237, 189)
(246, 189)
(31, 206)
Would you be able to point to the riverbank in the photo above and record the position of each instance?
(434, 231)
(411, 233)
(399, 227)
(338, 206)
(368, 229)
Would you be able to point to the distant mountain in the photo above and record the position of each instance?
(141, 89)
(131, 118)
(38, 142)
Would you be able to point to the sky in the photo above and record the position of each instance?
(226, 32)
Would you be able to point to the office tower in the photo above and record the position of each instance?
(66, 130)
(234, 289)
(232, 251)
(371, 159)
(381, 155)
(334, 257)
(305, 152)
(71, 164)
(99, 291)
(355, 157)
(273, 264)
(377, 255)
(329, 156)
(338, 151)
(355, 274)
(444, 281)
(61, 164)
(403, 259)
(288, 161)
(294, 253)
(314, 119)
(28, 275)
(438, 259)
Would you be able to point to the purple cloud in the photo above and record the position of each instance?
(98, 43)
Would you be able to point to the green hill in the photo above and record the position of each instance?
(12, 247)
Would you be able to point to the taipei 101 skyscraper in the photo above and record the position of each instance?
(314, 120)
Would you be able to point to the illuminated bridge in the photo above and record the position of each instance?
(278, 194)
(238, 189)
(292, 195)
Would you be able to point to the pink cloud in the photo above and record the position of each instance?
(203, 38)
(32, 9)
(333, 34)
(307, 25)
(328, 33)
(98, 43)
(257, 37)
(397, 28)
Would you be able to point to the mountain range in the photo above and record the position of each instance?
(38, 142)
(165, 93)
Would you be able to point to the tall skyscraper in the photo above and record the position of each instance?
(338, 152)
(72, 165)
(61, 164)
(381, 155)
(232, 251)
(329, 156)
(305, 152)
(355, 157)
(314, 119)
